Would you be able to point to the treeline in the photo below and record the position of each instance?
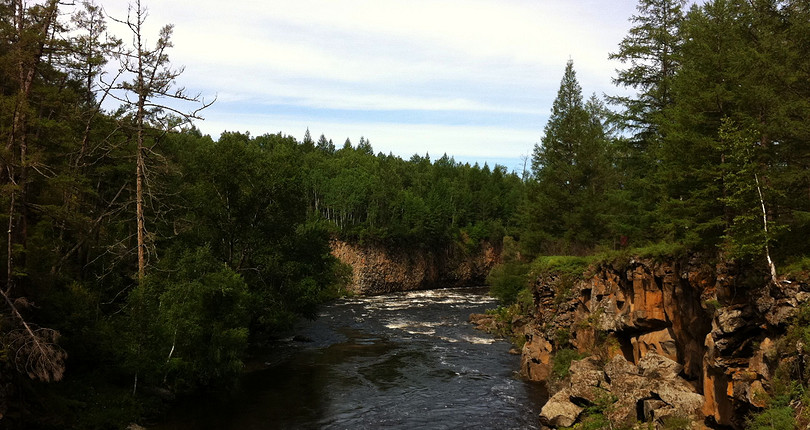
(142, 256)
(415, 203)
(712, 151)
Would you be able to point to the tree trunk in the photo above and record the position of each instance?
(771, 266)
(140, 166)
(28, 60)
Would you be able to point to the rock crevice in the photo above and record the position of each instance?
(676, 338)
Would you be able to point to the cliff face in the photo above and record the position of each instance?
(379, 270)
(702, 318)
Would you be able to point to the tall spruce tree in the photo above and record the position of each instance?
(739, 62)
(569, 169)
(650, 54)
(651, 50)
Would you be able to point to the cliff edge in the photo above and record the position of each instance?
(659, 340)
(379, 270)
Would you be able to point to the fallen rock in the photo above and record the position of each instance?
(658, 366)
(678, 395)
(559, 411)
(588, 381)
(536, 359)
(653, 388)
(617, 366)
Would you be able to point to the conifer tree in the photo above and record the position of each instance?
(651, 51)
(570, 167)
(650, 54)
(152, 82)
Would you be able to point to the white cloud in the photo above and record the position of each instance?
(476, 56)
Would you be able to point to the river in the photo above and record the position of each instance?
(398, 361)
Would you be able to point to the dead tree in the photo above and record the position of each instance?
(151, 97)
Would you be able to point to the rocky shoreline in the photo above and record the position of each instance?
(654, 342)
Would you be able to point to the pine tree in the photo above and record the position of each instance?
(651, 49)
(740, 62)
(153, 79)
(308, 143)
(651, 54)
(570, 167)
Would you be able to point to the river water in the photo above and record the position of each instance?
(398, 361)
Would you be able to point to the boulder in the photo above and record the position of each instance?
(728, 321)
(617, 366)
(660, 342)
(679, 395)
(560, 411)
(588, 381)
(659, 367)
(536, 359)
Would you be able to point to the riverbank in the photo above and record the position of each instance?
(662, 339)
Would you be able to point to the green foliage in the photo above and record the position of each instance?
(506, 281)
(570, 267)
(651, 49)
(562, 337)
(571, 171)
(562, 272)
(192, 323)
(676, 422)
(415, 203)
(561, 362)
(750, 233)
(594, 416)
(773, 418)
(507, 315)
(658, 251)
(799, 267)
(239, 227)
(591, 421)
(712, 304)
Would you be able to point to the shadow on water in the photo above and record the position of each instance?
(400, 361)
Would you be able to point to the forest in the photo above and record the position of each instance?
(142, 257)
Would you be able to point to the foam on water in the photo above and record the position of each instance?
(396, 361)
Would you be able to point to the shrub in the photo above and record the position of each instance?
(780, 418)
(561, 362)
(507, 280)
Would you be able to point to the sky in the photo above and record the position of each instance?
(471, 78)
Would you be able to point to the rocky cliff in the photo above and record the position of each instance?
(708, 330)
(378, 270)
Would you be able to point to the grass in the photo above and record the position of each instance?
(655, 251)
(564, 266)
(798, 268)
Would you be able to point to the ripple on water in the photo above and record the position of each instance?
(399, 361)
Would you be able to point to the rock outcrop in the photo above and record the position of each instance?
(680, 338)
(651, 391)
(379, 270)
